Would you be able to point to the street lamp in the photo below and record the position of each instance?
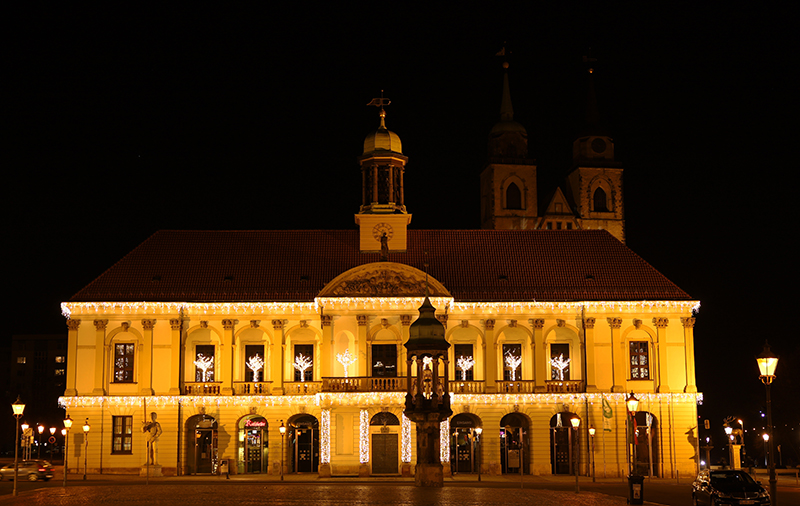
(52, 435)
(591, 453)
(86, 428)
(478, 432)
(40, 428)
(18, 408)
(767, 362)
(283, 433)
(632, 404)
(576, 422)
(65, 431)
(26, 446)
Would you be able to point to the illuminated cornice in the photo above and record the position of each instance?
(73, 309)
(381, 303)
(533, 307)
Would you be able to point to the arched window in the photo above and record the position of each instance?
(600, 202)
(513, 197)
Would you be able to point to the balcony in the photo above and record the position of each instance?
(364, 384)
(466, 387)
(302, 387)
(516, 387)
(564, 386)
(201, 388)
(252, 387)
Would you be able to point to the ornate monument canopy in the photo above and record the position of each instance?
(383, 279)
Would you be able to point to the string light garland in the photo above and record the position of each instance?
(363, 438)
(325, 437)
(405, 440)
(444, 440)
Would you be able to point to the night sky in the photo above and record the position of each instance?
(123, 122)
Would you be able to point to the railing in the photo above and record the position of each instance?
(516, 387)
(364, 384)
(252, 387)
(466, 387)
(200, 388)
(564, 386)
(302, 387)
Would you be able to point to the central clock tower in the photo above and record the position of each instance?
(382, 218)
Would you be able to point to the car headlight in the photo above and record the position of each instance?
(723, 495)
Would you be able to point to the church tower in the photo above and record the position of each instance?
(382, 218)
(595, 183)
(508, 182)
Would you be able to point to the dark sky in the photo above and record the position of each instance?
(124, 122)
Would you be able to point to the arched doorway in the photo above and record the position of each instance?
(303, 436)
(385, 454)
(645, 448)
(464, 450)
(514, 443)
(561, 441)
(201, 444)
(253, 444)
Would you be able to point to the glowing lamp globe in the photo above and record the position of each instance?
(767, 362)
(591, 431)
(478, 431)
(766, 437)
(52, 431)
(575, 421)
(24, 426)
(40, 428)
(729, 430)
(282, 428)
(68, 422)
(86, 426)
(633, 404)
(18, 407)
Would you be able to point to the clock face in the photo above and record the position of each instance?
(598, 145)
(381, 228)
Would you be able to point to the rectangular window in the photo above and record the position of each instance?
(204, 363)
(559, 362)
(640, 361)
(512, 362)
(303, 362)
(254, 362)
(122, 435)
(20, 360)
(465, 362)
(123, 362)
(384, 360)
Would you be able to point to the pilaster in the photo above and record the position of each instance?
(326, 354)
(540, 350)
(591, 376)
(405, 323)
(72, 356)
(618, 354)
(490, 365)
(176, 339)
(99, 356)
(688, 348)
(226, 356)
(276, 357)
(362, 353)
(661, 354)
(146, 362)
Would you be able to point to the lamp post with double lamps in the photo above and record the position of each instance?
(65, 431)
(86, 428)
(591, 451)
(767, 362)
(18, 407)
(576, 422)
(283, 433)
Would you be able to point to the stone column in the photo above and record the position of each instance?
(72, 356)
(99, 355)
(326, 357)
(591, 376)
(618, 355)
(226, 356)
(176, 355)
(661, 354)
(362, 353)
(688, 349)
(405, 320)
(276, 357)
(490, 356)
(146, 362)
(540, 358)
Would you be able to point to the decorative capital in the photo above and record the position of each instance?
(73, 324)
(254, 324)
(561, 323)
(175, 323)
(688, 322)
(203, 324)
(589, 322)
(326, 320)
(303, 324)
(362, 320)
(148, 324)
(661, 322)
(489, 324)
(102, 324)
(537, 323)
(442, 319)
(614, 323)
(637, 323)
(277, 324)
(405, 319)
(229, 324)
(464, 324)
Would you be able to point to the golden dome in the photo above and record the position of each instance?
(383, 139)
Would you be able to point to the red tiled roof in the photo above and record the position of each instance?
(294, 265)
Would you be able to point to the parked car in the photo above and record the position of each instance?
(728, 487)
(31, 470)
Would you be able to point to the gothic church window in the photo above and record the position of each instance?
(513, 197)
(600, 201)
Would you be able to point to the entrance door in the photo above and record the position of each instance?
(384, 454)
(514, 444)
(465, 451)
(560, 454)
(304, 451)
(205, 450)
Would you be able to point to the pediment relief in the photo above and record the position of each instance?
(383, 279)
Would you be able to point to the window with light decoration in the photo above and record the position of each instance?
(512, 362)
(303, 362)
(559, 362)
(122, 434)
(204, 363)
(384, 360)
(640, 360)
(123, 362)
(254, 362)
(462, 353)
